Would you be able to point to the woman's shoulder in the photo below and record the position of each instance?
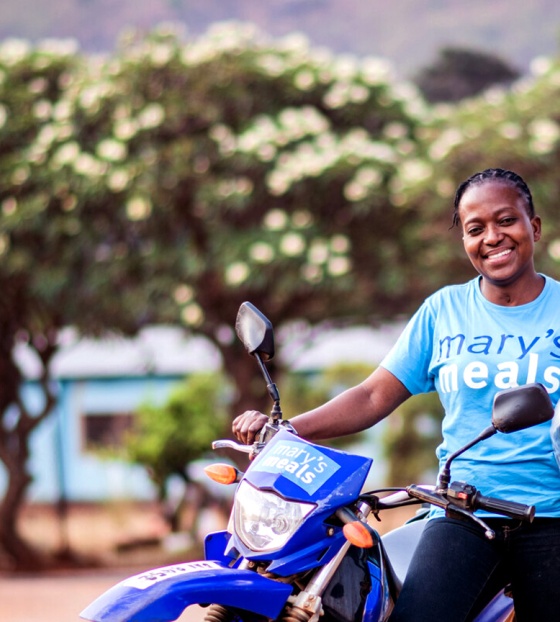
(551, 282)
(454, 292)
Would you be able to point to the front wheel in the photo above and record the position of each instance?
(219, 613)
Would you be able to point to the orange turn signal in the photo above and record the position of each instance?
(358, 534)
(222, 473)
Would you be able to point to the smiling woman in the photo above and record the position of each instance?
(467, 342)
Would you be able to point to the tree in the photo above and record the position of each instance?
(459, 73)
(172, 181)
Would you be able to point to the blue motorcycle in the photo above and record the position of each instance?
(299, 546)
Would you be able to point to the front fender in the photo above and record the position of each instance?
(163, 593)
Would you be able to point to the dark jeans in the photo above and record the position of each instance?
(455, 567)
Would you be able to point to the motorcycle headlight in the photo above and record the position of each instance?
(263, 520)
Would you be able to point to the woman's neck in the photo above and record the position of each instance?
(521, 292)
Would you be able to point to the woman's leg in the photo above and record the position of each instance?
(534, 559)
(449, 571)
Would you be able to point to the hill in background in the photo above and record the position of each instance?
(409, 33)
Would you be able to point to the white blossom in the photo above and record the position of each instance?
(292, 244)
(42, 110)
(118, 180)
(112, 150)
(88, 166)
(261, 252)
(192, 314)
(275, 220)
(3, 115)
(183, 293)
(9, 206)
(375, 70)
(4, 244)
(152, 116)
(38, 85)
(13, 51)
(554, 249)
(125, 129)
(67, 153)
(511, 131)
(340, 243)
(59, 47)
(21, 175)
(138, 208)
(338, 266)
(237, 273)
(318, 252)
(301, 219)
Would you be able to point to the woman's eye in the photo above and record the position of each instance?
(507, 221)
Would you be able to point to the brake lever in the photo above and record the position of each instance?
(228, 444)
(454, 509)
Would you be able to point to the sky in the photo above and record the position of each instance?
(408, 33)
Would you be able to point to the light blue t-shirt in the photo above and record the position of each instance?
(467, 348)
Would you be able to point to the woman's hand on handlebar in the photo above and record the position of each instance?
(247, 426)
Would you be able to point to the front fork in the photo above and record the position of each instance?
(305, 607)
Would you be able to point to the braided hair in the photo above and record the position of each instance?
(490, 174)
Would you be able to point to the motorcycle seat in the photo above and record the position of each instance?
(400, 545)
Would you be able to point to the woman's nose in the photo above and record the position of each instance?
(493, 234)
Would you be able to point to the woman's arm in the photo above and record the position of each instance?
(352, 411)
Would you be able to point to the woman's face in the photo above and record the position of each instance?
(498, 234)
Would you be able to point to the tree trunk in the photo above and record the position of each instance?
(20, 555)
(16, 426)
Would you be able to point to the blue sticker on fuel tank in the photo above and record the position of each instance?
(302, 464)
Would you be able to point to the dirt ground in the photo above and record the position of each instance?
(60, 597)
(112, 541)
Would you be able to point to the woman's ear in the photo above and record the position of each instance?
(536, 224)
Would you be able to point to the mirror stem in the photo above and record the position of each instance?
(276, 413)
(445, 475)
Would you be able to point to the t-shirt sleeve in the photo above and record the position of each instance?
(410, 357)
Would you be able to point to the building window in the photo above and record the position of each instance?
(105, 430)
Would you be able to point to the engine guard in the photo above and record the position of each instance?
(163, 593)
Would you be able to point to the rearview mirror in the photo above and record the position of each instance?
(255, 331)
(521, 407)
(513, 409)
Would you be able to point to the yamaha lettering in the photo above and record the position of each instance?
(147, 579)
(302, 464)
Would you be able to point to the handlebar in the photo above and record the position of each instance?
(464, 497)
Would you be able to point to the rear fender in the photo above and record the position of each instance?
(163, 593)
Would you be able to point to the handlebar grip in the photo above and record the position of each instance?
(519, 511)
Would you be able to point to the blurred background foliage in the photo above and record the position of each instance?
(172, 179)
